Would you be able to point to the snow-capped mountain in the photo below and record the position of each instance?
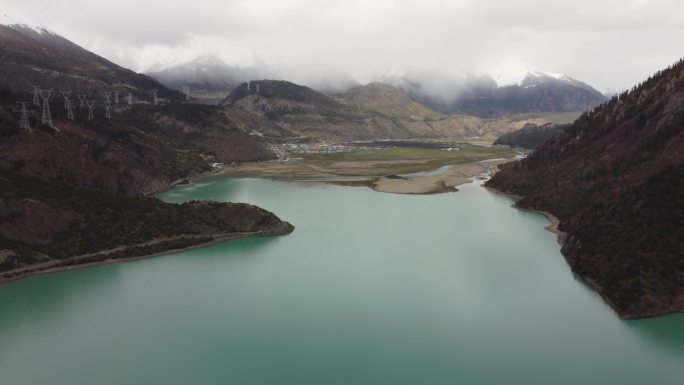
(23, 25)
(206, 73)
(518, 89)
(33, 55)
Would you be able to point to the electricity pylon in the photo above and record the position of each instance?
(47, 117)
(23, 120)
(91, 104)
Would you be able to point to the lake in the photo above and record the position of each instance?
(370, 288)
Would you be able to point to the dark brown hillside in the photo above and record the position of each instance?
(143, 149)
(615, 179)
(42, 58)
(45, 226)
(71, 194)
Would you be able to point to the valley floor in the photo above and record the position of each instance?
(393, 170)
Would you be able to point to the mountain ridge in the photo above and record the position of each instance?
(614, 179)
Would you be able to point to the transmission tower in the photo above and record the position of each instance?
(23, 120)
(107, 96)
(65, 95)
(36, 91)
(81, 100)
(130, 99)
(186, 91)
(249, 86)
(91, 104)
(47, 118)
(70, 111)
(257, 88)
(108, 113)
(116, 97)
(154, 96)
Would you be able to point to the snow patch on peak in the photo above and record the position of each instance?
(559, 76)
(209, 61)
(512, 73)
(517, 73)
(24, 24)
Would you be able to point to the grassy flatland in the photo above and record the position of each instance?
(369, 162)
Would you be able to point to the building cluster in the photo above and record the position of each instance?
(309, 148)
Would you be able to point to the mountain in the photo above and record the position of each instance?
(530, 136)
(311, 114)
(32, 56)
(75, 186)
(387, 100)
(615, 179)
(375, 111)
(206, 75)
(489, 96)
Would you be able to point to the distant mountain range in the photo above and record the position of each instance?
(615, 179)
(487, 96)
(208, 76)
(529, 92)
(374, 111)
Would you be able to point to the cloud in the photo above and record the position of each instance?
(611, 44)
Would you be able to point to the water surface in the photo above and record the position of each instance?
(371, 288)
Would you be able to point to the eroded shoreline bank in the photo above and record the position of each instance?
(127, 253)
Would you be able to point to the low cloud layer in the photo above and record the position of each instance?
(610, 44)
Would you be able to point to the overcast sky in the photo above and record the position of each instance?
(610, 44)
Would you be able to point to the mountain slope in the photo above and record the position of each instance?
(615, 180)
(73, 188)
(38, 57)
(530, 136)
(387, 100)
(309, 113)
(141, 149)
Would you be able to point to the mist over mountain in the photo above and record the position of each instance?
(495, 95)
(207, 73)
(489, 95)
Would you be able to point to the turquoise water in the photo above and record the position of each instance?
(371, 288)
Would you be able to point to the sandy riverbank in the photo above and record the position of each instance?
(424, 184)
(387, 175)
